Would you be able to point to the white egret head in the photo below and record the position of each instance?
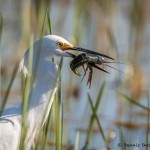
(56, 45)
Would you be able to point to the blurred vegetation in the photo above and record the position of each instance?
(117, 28)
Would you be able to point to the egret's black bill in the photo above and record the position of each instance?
(71, 55)
(76, 48)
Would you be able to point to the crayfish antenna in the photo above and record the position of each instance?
(118, 70)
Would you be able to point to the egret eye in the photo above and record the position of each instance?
(60, 44)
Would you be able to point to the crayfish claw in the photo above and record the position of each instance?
(77, 72)
(89, 83)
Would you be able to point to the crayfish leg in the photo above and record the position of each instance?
(90, 76)
(85, 70)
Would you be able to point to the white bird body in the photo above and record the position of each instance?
(11, 120)
(41, 92)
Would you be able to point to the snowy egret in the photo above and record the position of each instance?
(11, 119)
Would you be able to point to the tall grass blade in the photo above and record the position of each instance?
(134, 102)
(57, 122)
(112, 39)
(25, 100)
(47, 124)
(58, 108)
(95, 115)
(98, 123)
(46, 129)
(100, 94)
(62, 123)
(44, 21)
(77, 140)
(99, 97)
(49, 22)
(148, 122)
(9, 88)
(1, 26)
